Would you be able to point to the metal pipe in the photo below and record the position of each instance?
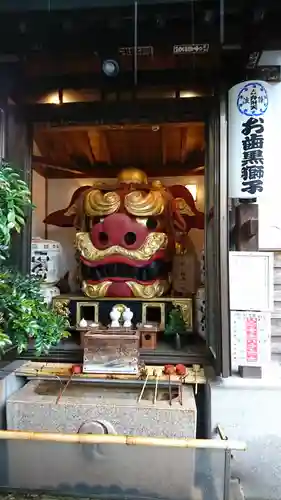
(208, 444)
(2, 134)
(136, 43)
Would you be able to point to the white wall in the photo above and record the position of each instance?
(270, 202)
(59, 195)
(39, 199)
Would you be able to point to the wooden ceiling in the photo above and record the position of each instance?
(169, 149)
(64, 48)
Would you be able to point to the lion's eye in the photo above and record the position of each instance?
(151, 223)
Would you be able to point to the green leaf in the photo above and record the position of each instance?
(23, 313)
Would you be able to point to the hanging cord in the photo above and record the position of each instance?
(221, 22)
(192, 30)
(136, 43)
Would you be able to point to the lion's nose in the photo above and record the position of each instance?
(118, 230)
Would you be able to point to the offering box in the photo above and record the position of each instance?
(111, 351)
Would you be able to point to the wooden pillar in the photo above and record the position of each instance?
(246, 230)
(19, 154)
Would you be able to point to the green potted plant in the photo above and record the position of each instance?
(23, 312)
(175, 326)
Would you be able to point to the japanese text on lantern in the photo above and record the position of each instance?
(251, 329)
(252, 167)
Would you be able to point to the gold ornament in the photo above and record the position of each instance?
(98, 203)
(132, 176)
(60, 306)
(156, 289)
(141, 204)
(186, 311)
(152, 243)
(98, 290)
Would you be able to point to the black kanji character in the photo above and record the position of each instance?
(253, 141)
(251, 124)
(252, 173)
(254, 100)
(252, 187)
(254, 157)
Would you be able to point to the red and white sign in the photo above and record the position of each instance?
(251, 330)
(250, 338)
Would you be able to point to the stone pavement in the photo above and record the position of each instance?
(235, 494)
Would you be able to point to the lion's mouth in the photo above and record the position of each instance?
(157, 269)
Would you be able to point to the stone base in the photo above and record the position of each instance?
(150, 471)
(34, 408)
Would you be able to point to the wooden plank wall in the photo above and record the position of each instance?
(276, 314)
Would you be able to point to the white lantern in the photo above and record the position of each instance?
(45, 260)
(250, 141)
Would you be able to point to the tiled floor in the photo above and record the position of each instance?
(31, 496)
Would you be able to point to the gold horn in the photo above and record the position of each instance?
(97, 203)
(141, 204)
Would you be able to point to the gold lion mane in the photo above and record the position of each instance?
(137, 203)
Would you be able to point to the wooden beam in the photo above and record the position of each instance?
(101, 170)
(120, 112)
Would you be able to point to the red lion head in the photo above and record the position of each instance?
(127, 234)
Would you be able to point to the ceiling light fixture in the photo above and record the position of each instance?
(110, 67)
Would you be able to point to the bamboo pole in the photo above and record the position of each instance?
(143, 388)
(208, 444)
